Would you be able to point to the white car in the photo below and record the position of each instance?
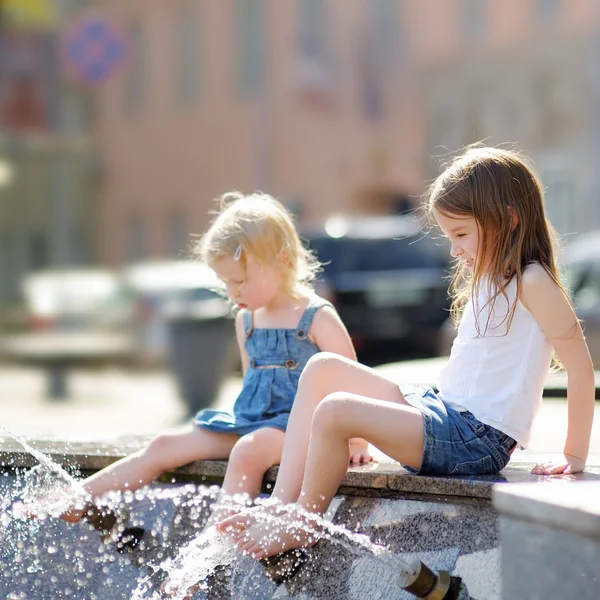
(157, 288)
(74, 300)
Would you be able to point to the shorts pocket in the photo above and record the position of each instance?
(476, 426)
(483, 466)
(497, 451)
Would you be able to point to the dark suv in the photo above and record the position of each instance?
(387, 279)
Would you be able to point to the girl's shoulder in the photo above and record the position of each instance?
(537, 286)
(534, 275)
(306, 308)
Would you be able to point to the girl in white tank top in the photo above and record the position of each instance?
(513, 314)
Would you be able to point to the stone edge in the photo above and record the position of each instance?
(562, 510)
(384, 477)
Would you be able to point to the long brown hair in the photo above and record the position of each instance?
(502, 192)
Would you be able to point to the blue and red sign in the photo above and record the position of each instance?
(93, 49)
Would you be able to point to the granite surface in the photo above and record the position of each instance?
(573, 508)
(385, 476)
(447, 522)
(460, 538)
(548, 550)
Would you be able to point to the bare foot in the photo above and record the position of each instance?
(42, 508)
(221, 513)
(262, 535)
(74, 515)
(169, 589)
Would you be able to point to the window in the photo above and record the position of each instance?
(8, 265)
(136, 238)
(472, 19)
(250, 18)
(135, 78)
(187, 55)
(312, 30)
(178, 236)
(38, 250)
(313, 69)
(547, 10)
(385, 32)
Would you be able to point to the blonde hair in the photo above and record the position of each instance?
(259, 225)
(502, 192)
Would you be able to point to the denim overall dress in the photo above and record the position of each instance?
(276, 360)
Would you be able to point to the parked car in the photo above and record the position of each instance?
(74, 300)
(581, 259)
(157, 288)
(387, 279)
(581, 274)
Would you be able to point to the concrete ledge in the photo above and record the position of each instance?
(550, 540)
(568, 508)
(447, 522)
(385, 477)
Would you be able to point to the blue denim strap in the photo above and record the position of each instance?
(308, 315)
(248, 323)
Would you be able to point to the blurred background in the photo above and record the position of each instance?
(122, 120)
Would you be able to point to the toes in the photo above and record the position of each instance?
(232, 524)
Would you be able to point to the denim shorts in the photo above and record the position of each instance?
(456, 443)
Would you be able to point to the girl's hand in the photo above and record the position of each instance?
(359, 452)
(567, 466)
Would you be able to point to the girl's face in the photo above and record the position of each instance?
(253, 287)
(463, 233)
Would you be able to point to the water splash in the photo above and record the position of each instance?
(72, 561)
(46, 489)
(212, 553)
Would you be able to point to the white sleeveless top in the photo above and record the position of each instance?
(498, 375)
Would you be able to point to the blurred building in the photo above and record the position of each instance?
(310, 100)
(525, 72)
(331, 105)
(47, 202)
(338, 106)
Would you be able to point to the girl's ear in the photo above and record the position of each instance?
(513, 216)
(285, 259)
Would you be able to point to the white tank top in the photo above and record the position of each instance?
(498, 375)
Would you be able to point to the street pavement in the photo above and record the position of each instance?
(113, 402)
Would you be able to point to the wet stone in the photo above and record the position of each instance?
(448, 523)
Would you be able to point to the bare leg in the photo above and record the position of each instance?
(251, 457)
(394, 428)
(324, 374)
(164, 452)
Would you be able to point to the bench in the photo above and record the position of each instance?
(58, 352)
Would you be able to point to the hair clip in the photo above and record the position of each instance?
(238, 253)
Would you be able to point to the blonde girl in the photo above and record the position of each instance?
(514, 314)
(254, 248)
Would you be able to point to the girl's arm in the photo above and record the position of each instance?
(555, 315)
(241, 338)
(331, 335)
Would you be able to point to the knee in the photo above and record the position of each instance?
(253, 452)
(320, 368)
(329, 415)
(159, 447)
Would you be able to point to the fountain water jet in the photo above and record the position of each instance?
(180, 522)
